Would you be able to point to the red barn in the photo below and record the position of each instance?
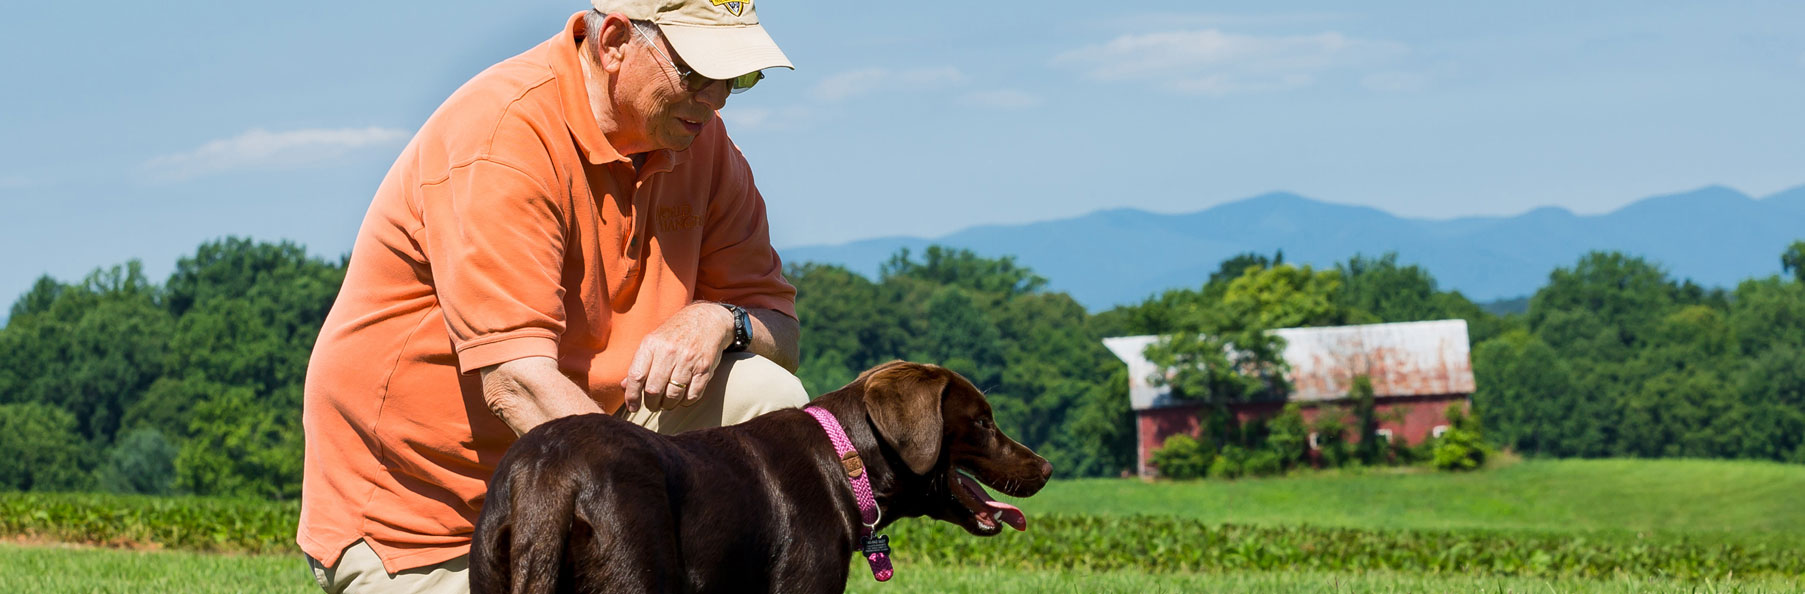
(1417, 369)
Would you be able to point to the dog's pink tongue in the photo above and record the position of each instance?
(1009, 514)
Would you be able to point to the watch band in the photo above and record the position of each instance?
(742, 328)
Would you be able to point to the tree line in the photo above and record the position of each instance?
(193, 385)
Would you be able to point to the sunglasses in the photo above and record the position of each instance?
(694, 81)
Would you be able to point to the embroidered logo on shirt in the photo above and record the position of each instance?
(676, 218)
(734, 7)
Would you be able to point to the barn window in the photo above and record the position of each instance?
(1438, 430)
(1384, 434)
(1313, 440)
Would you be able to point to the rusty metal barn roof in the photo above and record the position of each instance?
(1402, 359)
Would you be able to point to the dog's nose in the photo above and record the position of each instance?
(1046, 468)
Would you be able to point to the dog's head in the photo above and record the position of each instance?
(940, 428)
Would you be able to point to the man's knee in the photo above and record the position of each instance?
(755, 386)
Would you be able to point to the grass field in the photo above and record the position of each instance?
(1670, 501)
(71, 570)
(1697, 497)
(66, 570)
(992, 581)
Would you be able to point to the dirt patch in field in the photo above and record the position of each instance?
(42, 541)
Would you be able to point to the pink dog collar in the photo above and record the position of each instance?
(875, 549)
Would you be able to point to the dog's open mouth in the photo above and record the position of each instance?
(986, 510)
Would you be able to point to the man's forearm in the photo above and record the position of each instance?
(525, 393)
(776, 337)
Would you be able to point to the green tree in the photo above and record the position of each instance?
(241, 446)
(1793, 260)
(40, 450)
(249, 315)
(1099, 436)
(849, 324)
(1236, 267)
(960, 335)
(1768, 314)
(140, 461)
(1285, 296)
(1622, 295)
(1683, 387)
(1225, 351)
(89, 349)
(1155, 315)
(1771, 423)
(1387, 291)
(1526, 390)
(1056, 369)
(249, 312)
(1380, 290)
(1160, 314)
(962, 268)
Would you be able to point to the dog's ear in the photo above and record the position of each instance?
(903, 401)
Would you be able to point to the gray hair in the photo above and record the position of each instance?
(592, 25)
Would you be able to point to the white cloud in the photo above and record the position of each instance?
(1211, 62)
(1001, 99)
(853, 83)
(258, 148)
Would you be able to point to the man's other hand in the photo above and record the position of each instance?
(675, 362)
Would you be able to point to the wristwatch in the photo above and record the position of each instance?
(742, 328)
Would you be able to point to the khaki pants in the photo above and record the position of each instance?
(745, 386)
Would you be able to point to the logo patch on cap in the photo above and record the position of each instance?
(735, 7)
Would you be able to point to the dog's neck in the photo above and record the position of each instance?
(880, 461)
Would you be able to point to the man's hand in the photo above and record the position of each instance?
(675, 362)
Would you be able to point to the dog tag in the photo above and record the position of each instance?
(877, 544)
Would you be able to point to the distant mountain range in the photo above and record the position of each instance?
(1715, 236)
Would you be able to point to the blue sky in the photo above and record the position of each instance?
(140, 130)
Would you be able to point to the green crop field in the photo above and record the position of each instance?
(1539, 526)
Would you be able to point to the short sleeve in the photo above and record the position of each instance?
(494, 240)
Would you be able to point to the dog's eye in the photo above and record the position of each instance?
(983, 423)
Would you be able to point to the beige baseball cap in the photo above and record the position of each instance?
(720, 39)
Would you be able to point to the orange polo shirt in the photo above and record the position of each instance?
(508, 228)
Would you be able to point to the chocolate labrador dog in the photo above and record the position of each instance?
(592, 503)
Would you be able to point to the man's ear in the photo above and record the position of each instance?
(903, 401)
(616, 34)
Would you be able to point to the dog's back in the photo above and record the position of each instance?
(542, 508)
(594, 504)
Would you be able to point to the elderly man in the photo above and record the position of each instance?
(571, 232)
